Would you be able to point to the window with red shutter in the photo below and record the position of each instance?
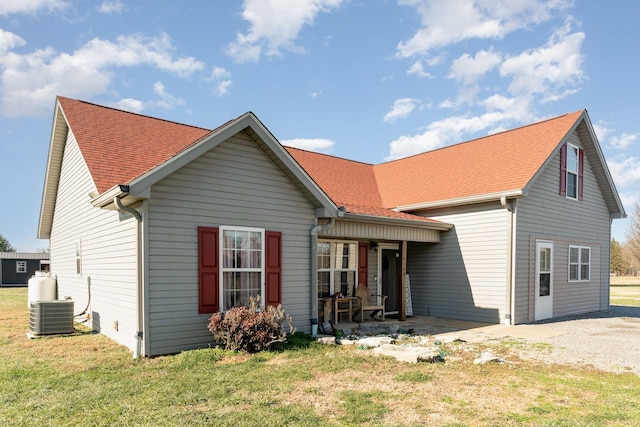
(233, 265)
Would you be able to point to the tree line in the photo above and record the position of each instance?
(625, 257)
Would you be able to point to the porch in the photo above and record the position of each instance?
(439, 327)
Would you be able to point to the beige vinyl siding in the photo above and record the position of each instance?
(364, 231)
(546, 215)
(234, 184)
(463, 276)
(108, 252)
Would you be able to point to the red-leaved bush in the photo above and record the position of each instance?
(250, 329)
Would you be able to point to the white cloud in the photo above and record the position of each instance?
(401, 108)
(274, 25)
(469, 69)
(625, 171)
(166, 101)
(320, 145)
(30, 81)
(30, 6)
(548, 69)
(450, 130)
(129, 104)
(453, 21)
(9, 40)
(623, 141)
(111, 6)
(418, 70)
(222, 81)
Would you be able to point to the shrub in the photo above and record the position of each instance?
(250, 329)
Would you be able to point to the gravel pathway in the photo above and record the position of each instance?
(606, 340)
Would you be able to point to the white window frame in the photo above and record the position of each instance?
(579, 264)
(21, 266)
(333, 263)
(571, 171)
(224, 269)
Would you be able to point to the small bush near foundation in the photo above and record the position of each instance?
(250, 329)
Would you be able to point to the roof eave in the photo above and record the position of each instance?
(435, 225)
(468, 200)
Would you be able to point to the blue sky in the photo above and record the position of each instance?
(369, 80)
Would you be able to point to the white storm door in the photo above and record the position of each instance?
(544, 280)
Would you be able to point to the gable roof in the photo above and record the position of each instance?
(504, 164)
(126, 153)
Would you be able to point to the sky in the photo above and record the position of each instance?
(367, 80)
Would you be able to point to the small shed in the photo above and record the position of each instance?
(16, 268)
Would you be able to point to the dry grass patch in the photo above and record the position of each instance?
(87, 379)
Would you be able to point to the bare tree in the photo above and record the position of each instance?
(632, 246)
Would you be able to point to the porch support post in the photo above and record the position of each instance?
(403, 281)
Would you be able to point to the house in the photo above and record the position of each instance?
(154, 225)
(16, 268)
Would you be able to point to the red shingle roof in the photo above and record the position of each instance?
(119, 146)
(493, 164)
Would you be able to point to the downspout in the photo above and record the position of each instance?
(510, 282)
(139, 327)
(314, 262)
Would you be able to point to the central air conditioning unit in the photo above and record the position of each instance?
(51, 317)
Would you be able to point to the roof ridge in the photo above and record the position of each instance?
(145, 116)
(329, 155)
(482, 137)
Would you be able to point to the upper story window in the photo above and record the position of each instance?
(21, 266)
(571, 171)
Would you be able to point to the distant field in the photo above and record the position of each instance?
(625, 290)
(625, 281)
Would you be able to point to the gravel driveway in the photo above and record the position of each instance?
(606, 340)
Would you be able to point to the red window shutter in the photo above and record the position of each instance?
(208, 271)
(580, 172)
(273, 268)
(363, 255)
(563, 170)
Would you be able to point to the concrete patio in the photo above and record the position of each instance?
(462, 329)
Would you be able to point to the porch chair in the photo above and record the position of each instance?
(370, 302)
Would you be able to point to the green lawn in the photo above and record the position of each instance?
(625, 291)
(86, 379)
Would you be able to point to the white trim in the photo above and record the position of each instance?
(222, 268)
(332, 261)
(543, 305)
(579, 264)
(469, 200)
(21, 266)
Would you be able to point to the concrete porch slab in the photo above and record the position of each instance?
(463, 329)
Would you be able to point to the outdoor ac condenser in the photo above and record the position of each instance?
(51, 317)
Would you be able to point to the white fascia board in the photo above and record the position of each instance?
(470, 200)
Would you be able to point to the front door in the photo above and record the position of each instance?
(389, 286)
(544, 281)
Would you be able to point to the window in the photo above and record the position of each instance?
(21, 266)
(571, 171)
(246, 261)
(337, 267)
(242, 265)
(579, 263)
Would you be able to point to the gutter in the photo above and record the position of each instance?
(510, 285)
(139, 321)
(490, 197)
(314, 264)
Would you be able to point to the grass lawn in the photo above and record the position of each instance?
(625, 291)
(86, 379)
